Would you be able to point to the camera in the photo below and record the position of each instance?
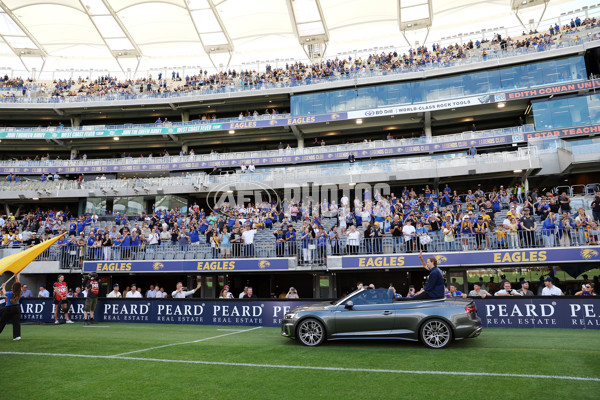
(88, 277)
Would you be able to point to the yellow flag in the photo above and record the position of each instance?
(15, 263)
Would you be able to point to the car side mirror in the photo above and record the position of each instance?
(349, 305)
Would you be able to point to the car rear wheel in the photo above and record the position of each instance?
(436, 334)
(311, 332)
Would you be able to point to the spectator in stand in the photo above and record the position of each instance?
(507, 290)
(549, 230)
(595, 206)
(586, 290)
(114, 294)
(525, 288)
(179, 293)
(478, 291)
(133, 293)
(25, 292)
(43, 293)
(249, 294)
(550, 289)
(292, 294)
(454, 292)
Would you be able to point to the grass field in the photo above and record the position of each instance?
(208, 362)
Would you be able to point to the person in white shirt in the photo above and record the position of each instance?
(550, 289)
(151, 293)
(353, 235)
(115, 294)
(251, 168)
(179, 293)
(248, 239)
(161, 294)
(43, 292)
(409, 232)
(241, 296)
(243, 168)
(507, 290)
(133, 294)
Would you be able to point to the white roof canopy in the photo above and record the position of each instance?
(116, 35)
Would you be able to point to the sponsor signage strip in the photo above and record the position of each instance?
(540, 312)
(391, 151)
(173, 130)
(547, 312)
(310, 119)
(270, 264)
(463, 259)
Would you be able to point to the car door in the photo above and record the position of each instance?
(371, 314)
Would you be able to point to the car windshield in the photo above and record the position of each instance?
(372, 296)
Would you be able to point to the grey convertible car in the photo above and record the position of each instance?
(374, 313)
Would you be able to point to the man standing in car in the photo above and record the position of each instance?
(434, 288)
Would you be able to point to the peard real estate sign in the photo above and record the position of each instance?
(530, 312)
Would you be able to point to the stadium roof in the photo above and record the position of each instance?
(117, 35)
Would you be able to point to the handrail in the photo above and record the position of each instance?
(354, 147)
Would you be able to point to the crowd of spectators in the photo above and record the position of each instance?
(372, 224)
(304, 73)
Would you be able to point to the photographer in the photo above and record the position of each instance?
(93, 288)
(507, 290)
(292, 294)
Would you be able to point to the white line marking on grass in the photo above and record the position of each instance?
(387, 371)
(179, 344)
(100, 326)
(231, 330)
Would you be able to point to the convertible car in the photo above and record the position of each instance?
(375, 313)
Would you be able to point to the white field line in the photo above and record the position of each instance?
(97, 326)
(232, 330)
(179, 344)
(385, 371)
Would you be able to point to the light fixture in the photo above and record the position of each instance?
(229, 191)
(116, 138)
(231, 132)
(352, 184)
(517, 171)
(501, 104)
(358, 121)
(35, 198)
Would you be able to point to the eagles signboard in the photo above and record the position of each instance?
(233, 265)
(489, 257)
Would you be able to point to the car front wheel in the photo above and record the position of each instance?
(436, 334)
(311, 332)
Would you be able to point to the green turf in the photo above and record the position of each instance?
(552, 352)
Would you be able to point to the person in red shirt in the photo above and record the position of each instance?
(60, 299)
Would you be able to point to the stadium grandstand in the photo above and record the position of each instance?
(304, 143)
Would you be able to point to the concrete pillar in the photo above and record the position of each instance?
(185, 116)
(526, 187)
(75, 121)
(184, 148)
(73, 152)
(300, 143)
(428, 124)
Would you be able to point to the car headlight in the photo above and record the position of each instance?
(290, 315)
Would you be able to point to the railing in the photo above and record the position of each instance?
(477, 56)
(314, 251)
(280, 174)
(354, 147)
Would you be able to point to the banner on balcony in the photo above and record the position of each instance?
(487, 258)
(198, 266)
